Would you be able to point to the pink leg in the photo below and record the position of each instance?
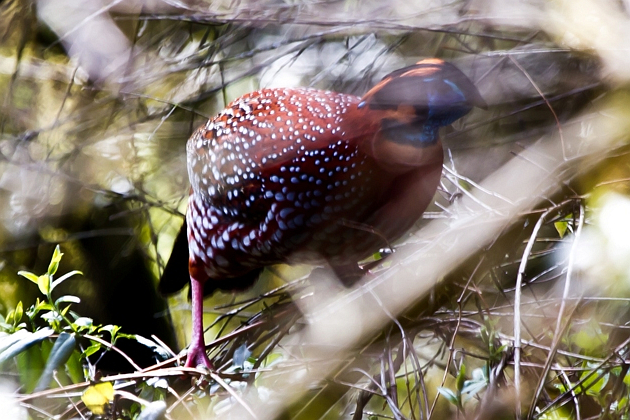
(197, 348)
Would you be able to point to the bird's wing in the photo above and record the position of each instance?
(263, 130)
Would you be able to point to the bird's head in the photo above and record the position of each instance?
(415, 101)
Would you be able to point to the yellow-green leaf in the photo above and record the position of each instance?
(97, 397)
(19, 311)
(43, 282)
(561, 227)
(10, 319)
(28, 275)
(54, 261)
(589, 340)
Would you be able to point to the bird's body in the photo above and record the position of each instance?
(286, 175)
(283, 174)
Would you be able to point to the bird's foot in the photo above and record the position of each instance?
(197, 356)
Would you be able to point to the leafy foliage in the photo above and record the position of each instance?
(56, 355)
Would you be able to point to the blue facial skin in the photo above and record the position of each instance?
(444, 106)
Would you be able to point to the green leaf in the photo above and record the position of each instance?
(28, 275)
(37, 308)
(41, 305)
(54, 261)
(64, 345)
(91, 350)
(30, 364)
(75, 367)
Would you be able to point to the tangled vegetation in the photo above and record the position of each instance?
(508, 299)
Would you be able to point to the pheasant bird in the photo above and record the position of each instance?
(285, 175)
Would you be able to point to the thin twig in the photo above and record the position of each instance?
(517, 310)
(558, 332)
(233, 393)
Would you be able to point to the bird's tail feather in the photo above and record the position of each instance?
(175, 275)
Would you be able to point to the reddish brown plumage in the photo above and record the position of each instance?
(285, 175)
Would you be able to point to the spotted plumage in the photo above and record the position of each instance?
(286, 175)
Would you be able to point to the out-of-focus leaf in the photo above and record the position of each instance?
(153, 411)
(26, 340)
(30, 365)
(75, 367)
(449, 395)
(558, 414)
(595, 383)
(98, 396)
(478, 382)
(157, 383)
(589, 339)
(240, 355)
(161, 351)
(461, 377)
(64, 345)
(7, 340)
(561, 227)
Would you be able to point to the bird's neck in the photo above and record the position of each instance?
(400, 157)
